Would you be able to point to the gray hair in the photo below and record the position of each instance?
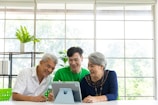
(98, 59)
(52, 57)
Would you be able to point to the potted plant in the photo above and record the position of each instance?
(63, 58)
(24, 36)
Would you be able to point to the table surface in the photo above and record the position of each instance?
(118, 102)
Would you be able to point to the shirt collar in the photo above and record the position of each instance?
(34, 74)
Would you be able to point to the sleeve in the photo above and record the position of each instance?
(82, 86)
(113, 86)
(20, 83)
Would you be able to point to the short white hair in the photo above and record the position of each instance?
(50, 56)
(98, 59)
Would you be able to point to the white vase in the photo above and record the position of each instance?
(22, 47)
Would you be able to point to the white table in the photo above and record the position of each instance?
(119, 102)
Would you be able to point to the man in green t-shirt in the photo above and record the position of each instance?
(73, 72)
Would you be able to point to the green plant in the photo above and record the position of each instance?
(24, 36)
(63, 57)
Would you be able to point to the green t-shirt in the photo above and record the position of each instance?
(65, 74)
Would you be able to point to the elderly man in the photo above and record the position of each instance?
(32, 83)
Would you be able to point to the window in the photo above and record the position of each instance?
(123, 32)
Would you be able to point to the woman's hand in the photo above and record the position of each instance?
(92, 99)
(89, 99)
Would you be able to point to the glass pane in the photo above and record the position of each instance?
(121, 85)
(28, 47)
(138, 12)
(1, 28)
(80, 29)
(80, 16)
(3, 82)
(13, 80)
(139, 67)
(50, 46)
(110, 29)
(111, 48)
(79, 11)
(44, 15)
(109, 12)
(12, 45)
(21, 66)
(1, 55)
(2, 45)
(86, 45)
(17, 12)
(85, 62)
(1, 12)
(50, 11)
(116, 65)
(139, 48)
(20, 15)
(13, 25)
(139, 87)
(139, 30)
(50, 29)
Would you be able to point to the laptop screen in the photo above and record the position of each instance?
(65, 87)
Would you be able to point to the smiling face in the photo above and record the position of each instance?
(75, 62)
(96, 71)
(46, 67)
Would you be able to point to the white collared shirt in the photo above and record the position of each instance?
(27, 83)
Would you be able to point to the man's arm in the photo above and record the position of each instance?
(20, 97)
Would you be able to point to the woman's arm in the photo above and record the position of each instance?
(113, 86)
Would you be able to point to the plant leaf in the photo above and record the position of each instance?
(24, 36)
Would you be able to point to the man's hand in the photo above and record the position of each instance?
(39, 98)
(50, 97)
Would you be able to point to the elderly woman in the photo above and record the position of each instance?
(100, 84)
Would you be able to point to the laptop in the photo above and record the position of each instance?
(65, 91)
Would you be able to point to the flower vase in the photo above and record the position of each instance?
(22, 47)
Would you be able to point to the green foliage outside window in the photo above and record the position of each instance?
(63, 57)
